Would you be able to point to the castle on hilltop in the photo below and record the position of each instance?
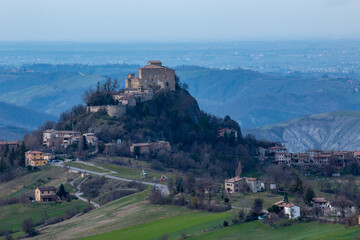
(152, 78)
(152, 75)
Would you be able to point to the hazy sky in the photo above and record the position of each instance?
(177, 20)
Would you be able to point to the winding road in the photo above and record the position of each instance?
(163, 188)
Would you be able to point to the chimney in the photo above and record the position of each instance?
(131, 75)
(157, 63)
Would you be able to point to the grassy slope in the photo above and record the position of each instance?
(258, 230)
(27, 182)
(124, 214)
(12, 216)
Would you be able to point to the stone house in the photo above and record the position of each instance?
(45, 194)
(146, 148)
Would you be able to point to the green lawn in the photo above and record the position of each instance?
(12, 216)
(174, 226)
(302, 231)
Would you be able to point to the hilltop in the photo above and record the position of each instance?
(333, 131)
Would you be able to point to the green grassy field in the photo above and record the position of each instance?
(86, 167)
(28, 182)
(131, 173)
(173, 226)
(302, 231)
(132, 212)
(12, 216)
(246, 201)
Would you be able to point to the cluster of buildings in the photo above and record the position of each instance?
(331, 208)
(147, 148)
(280, 155)
(152, 78)
(55, 138)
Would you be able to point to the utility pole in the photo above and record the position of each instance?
(186, 202)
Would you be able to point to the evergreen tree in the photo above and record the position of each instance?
(2, 165)
(297, 187)
(84, 144)
(21, 155)
(309, 195)
(12, 157)
(62, 193)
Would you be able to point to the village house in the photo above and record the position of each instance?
(321, 159)
(35, 158)
(312, 153)
(232, 185)
(146, 148)
(254, 184)
(45, 194)
(282, 158)
(319, 202)
(292, 211)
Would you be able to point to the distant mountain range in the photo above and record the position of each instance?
(329, 131)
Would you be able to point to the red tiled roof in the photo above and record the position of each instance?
(234, 179)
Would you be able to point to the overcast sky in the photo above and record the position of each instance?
(177, 20)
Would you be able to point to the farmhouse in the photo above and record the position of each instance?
(45, 194)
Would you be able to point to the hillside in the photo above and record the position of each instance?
(333, 131)
(15, 121)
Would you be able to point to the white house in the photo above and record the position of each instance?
(292, 211)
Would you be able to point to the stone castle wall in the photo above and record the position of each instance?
(112, 110)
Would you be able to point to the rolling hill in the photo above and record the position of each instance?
(15, 121)
(332, 131)
(255, 99)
